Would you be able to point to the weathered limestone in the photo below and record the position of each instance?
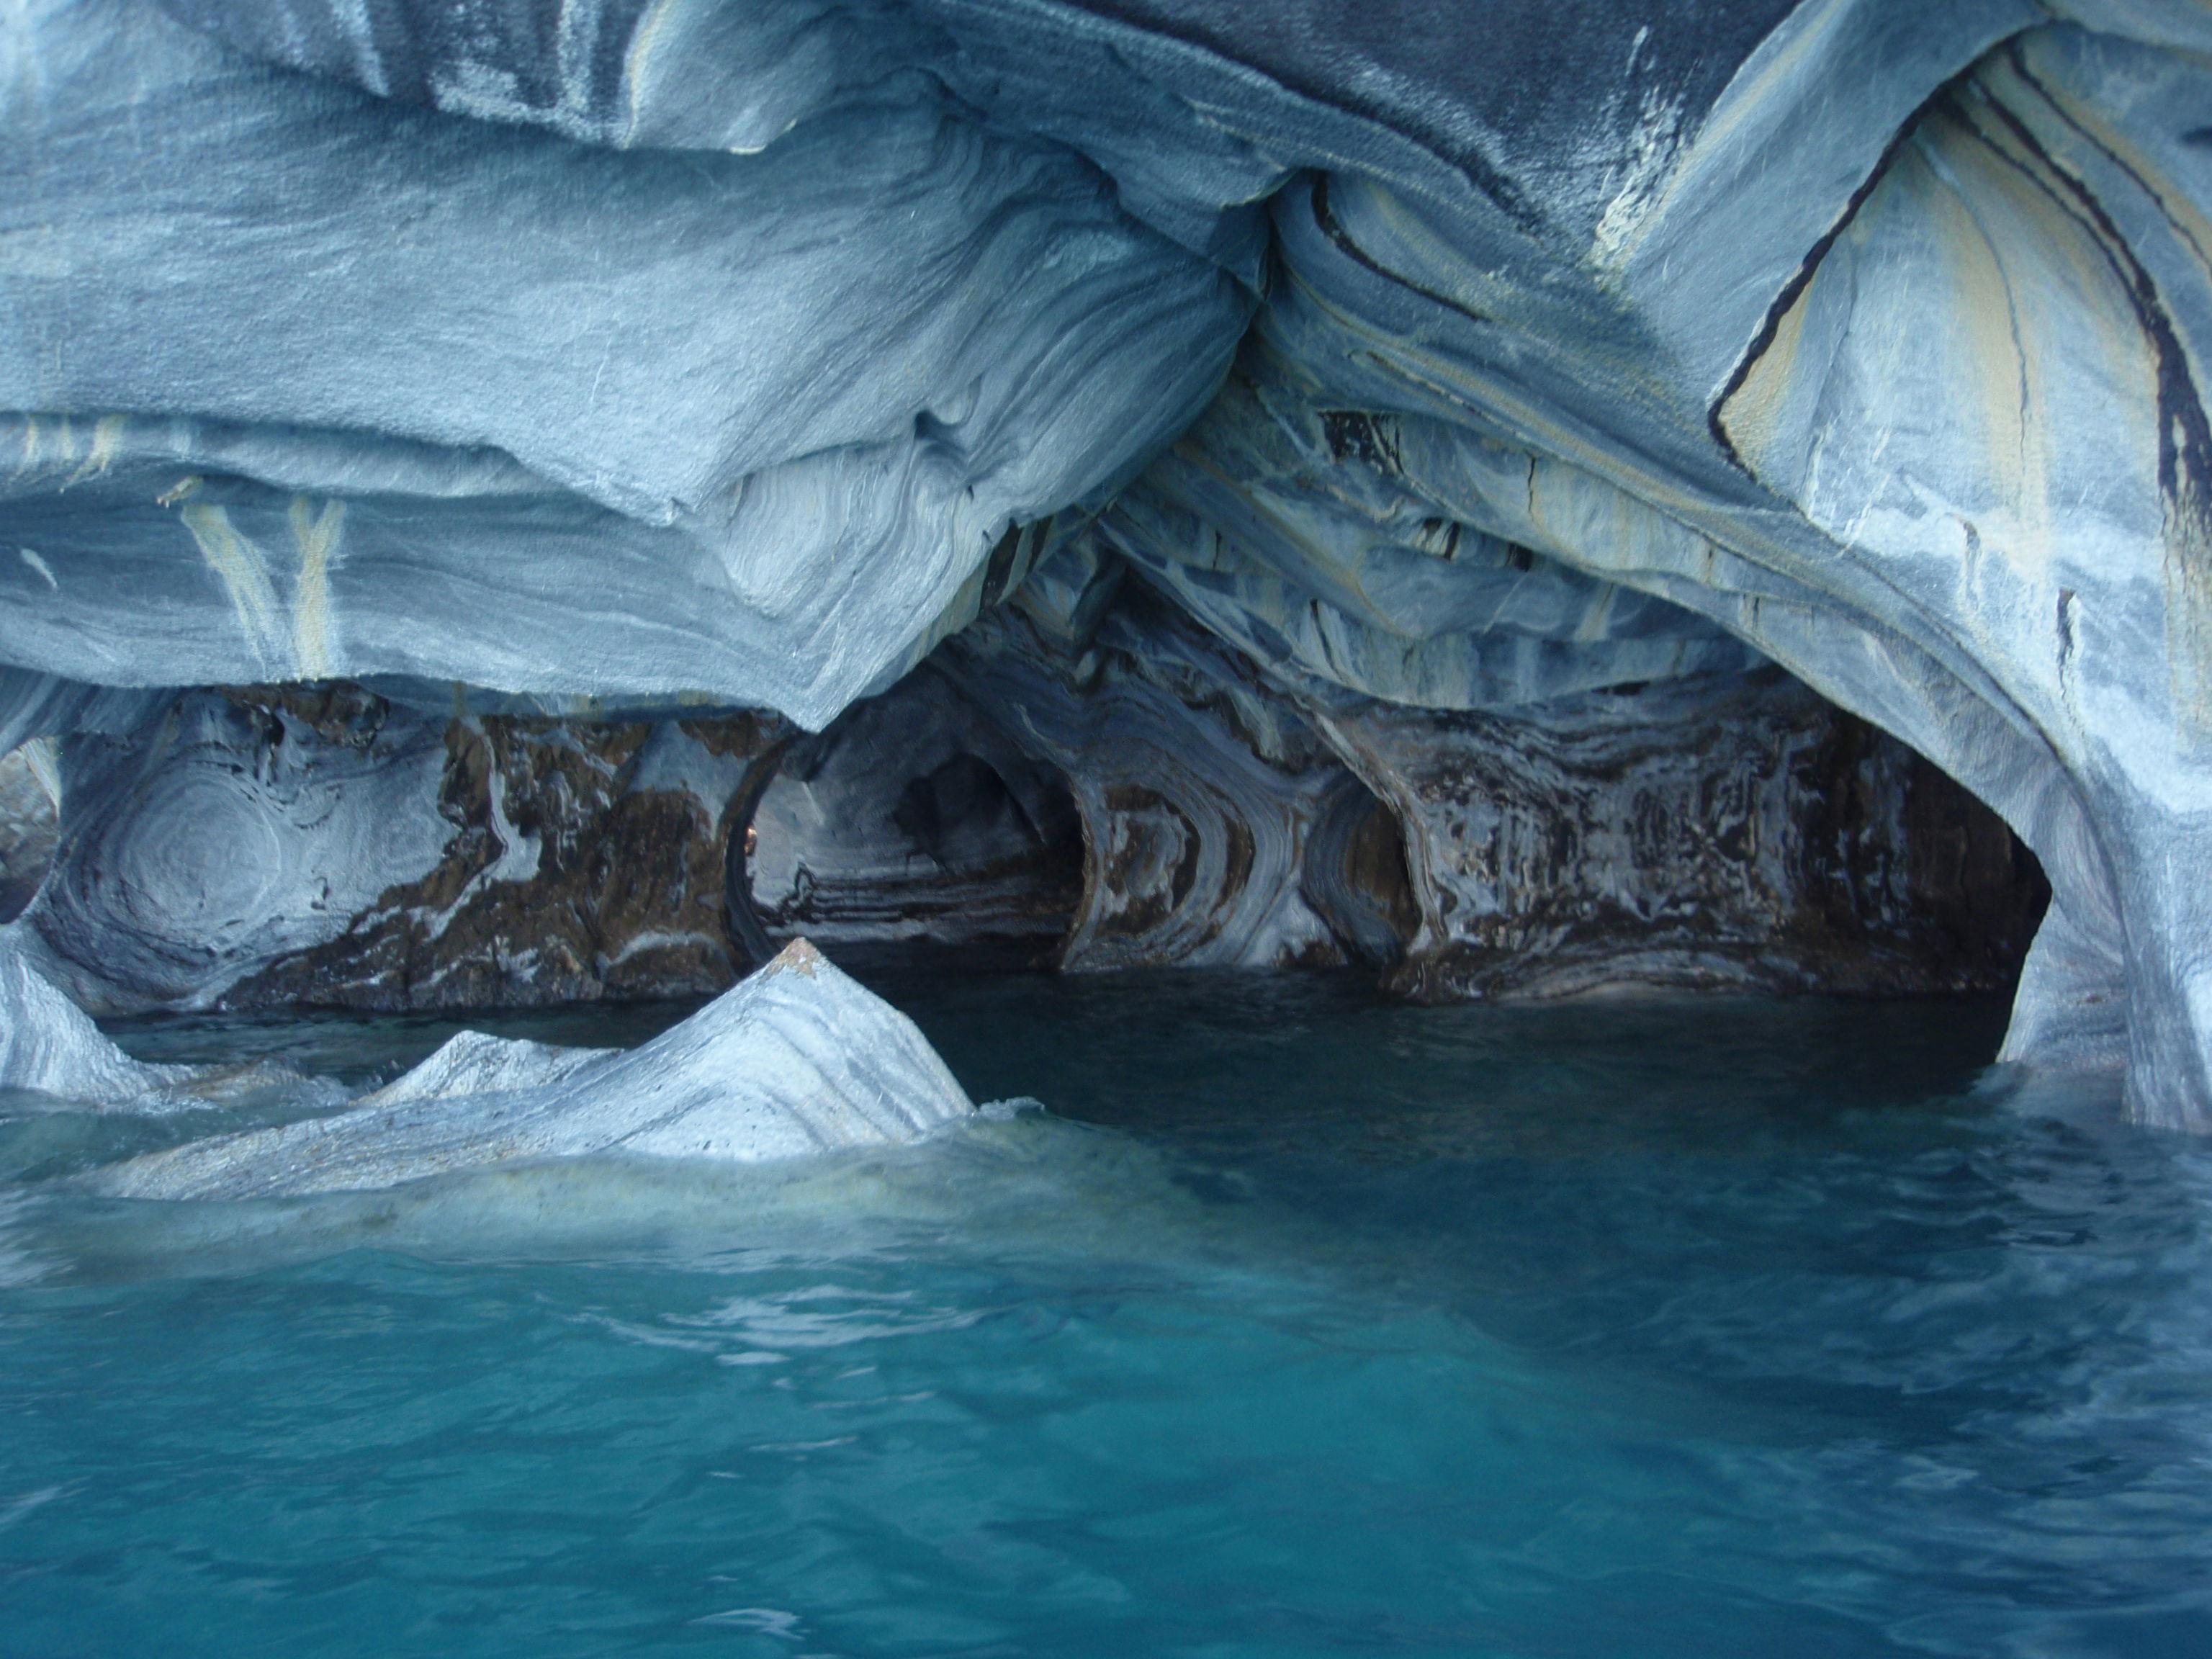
(797, 1059)
(1536, 418)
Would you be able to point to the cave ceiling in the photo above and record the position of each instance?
(1257, 416)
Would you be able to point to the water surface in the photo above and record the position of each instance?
(1300, 1323)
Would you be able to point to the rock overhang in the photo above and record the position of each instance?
(1587, 319)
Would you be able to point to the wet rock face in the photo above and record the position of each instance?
(588, 861)
(1147, 799)
(327, 847)
(1729, 832)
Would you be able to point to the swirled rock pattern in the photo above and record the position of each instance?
(327, 846)
(914, 818)
(225, 834)
(1468, 360)
(1199, 792)
(797, 1059)
(583, 860)
(1720, 830)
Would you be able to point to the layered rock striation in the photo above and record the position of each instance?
(1365, 464)
(796, 1062)
(262, 847)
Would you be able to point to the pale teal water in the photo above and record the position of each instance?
(1304, 1325)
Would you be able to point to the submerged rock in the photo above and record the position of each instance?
(797, 1060)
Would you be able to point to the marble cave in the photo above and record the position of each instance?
(1605, 510)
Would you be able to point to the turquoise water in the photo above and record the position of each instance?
(1300, 1323)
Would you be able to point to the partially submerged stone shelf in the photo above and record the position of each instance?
(797, 1060)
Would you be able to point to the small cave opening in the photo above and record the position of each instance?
(912, 828)
(1357, 879)
(1901, 859)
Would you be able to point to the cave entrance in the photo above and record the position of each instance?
(912, 828)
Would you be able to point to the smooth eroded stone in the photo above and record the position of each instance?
(477, 1063)
(50, 1044)
(797, 1059)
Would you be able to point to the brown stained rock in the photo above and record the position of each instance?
(1750, 835)
(568, 878)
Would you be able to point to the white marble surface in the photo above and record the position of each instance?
(797, 1060)
(615, 351)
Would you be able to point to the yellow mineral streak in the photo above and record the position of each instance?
(1752, 417)
(636, 62)
(317, 536)
(1982, 301)
(245, 573)
(107, 442)
(30, 460)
